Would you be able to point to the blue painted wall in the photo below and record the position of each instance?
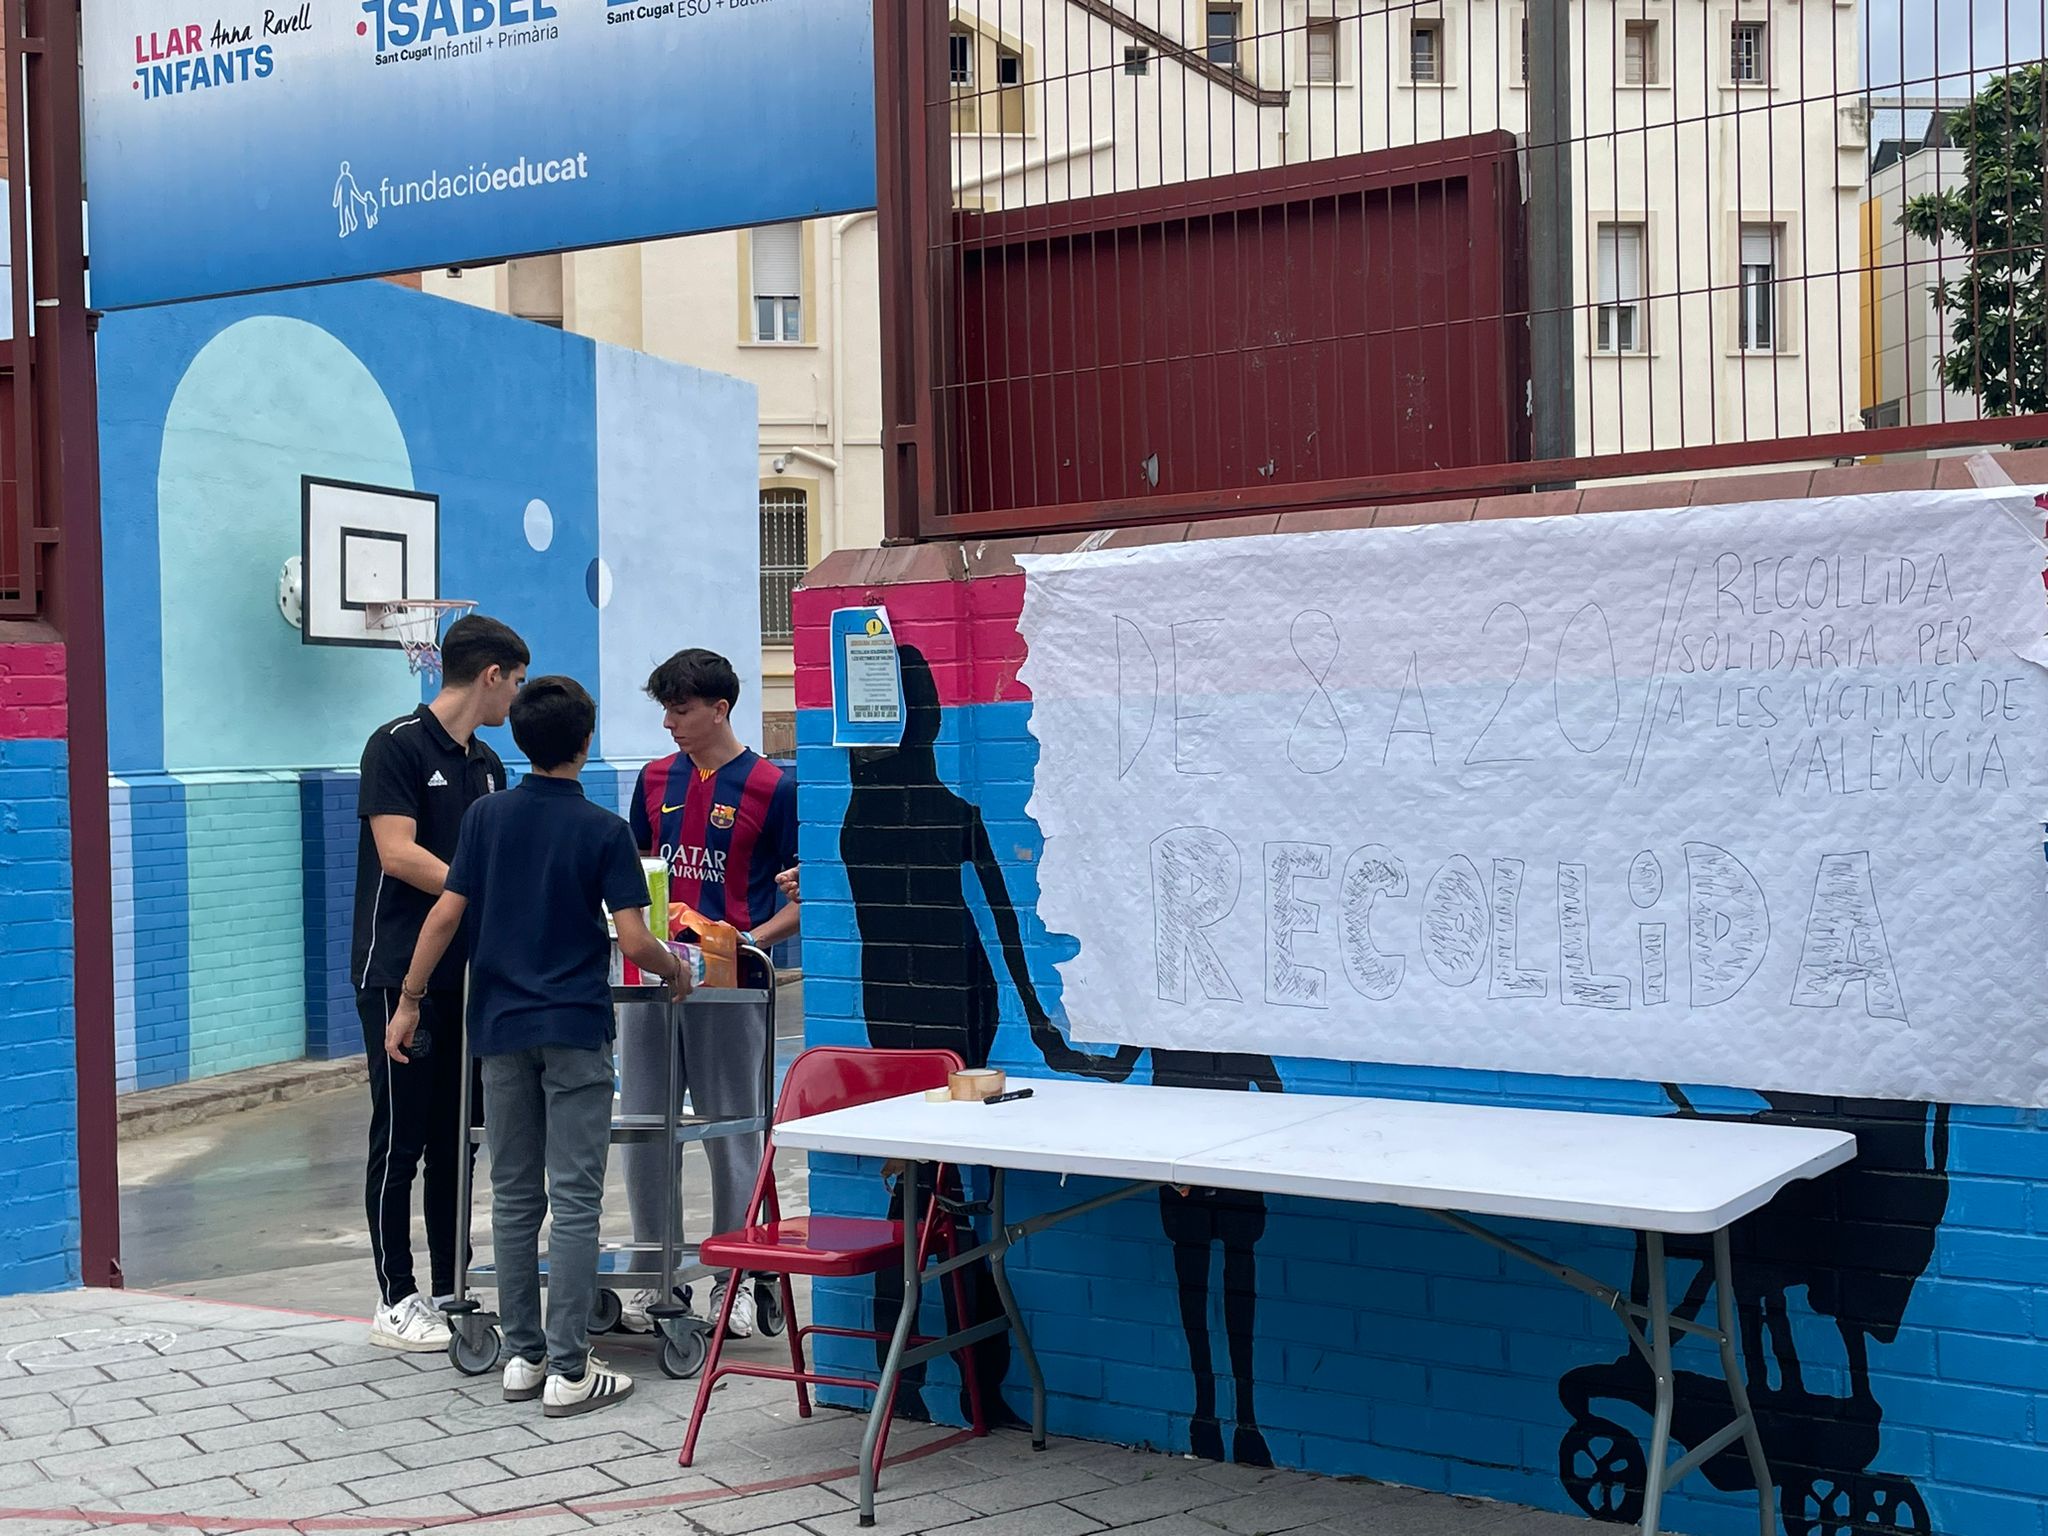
(233, 744)
(1901, 1367)
(38, 1074)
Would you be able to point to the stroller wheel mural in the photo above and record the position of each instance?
(1601, 1466)
(1890, 1506)
(1826, 1507)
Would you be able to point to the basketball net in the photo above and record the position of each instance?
(417, 624)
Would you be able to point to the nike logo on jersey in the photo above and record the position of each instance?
(437, 782)
(670, 810)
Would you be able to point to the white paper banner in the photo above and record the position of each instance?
(1748, 795)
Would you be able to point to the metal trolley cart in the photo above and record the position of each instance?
(733, 1015)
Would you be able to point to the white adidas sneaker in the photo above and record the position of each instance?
(598, 1387)
(412, 1325)
(524, 1379)
(634, 1312)
(740, 1325)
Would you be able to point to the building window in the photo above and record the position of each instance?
(778, 282)
(1621, 320)
(1748, 55)
(1639, 53)
(785, 556)
(1426, 52)
(1137, 61)
(533, 289)
(960, 58)
(1757, 317)
(1322, 53)
(1224, 24)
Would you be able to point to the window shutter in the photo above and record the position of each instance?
(778, 261)
(1322, 52)
(1628, 262)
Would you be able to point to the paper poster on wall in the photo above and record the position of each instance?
(867, 680)
(1748, 795)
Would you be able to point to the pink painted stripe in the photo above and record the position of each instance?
(32, 692)
(967, 630)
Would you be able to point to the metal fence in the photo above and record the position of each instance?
(1704, 255)
(20, 541)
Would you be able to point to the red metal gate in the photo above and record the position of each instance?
(1273, 328)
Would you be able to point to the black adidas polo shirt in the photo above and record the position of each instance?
(412, 767)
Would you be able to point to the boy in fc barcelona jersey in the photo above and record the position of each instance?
(724, 818)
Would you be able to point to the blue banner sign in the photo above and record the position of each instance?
(253, 145)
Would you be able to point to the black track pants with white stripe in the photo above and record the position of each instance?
(415, 1109)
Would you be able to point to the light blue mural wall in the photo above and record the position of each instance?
(226, 730)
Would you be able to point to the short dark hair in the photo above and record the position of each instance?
(475, 644)
(552, 720)
(691, 675)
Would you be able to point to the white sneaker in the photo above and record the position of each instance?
(411, 1324)
(524, 1379)
(598, 1387)
(634, 1316)
(741, 1324)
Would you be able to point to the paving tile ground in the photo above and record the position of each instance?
(138, 1412)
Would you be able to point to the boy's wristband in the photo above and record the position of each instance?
(747, 939)
(405, 991)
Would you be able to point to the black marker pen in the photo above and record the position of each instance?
(1004, 1098)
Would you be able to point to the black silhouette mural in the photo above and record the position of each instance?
(927, 980)
(1857, 1241)
(1197, 1220)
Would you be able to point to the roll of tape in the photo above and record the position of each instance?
(937, 1095)
(976, 1083)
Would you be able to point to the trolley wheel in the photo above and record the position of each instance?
(683, 1353)
(605, 1311)
(769, 1318)
(473, 1350)
(1602, 1468)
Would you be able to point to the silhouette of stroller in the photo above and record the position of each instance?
(1858, 1241)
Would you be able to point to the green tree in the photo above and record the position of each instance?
(1999, 323)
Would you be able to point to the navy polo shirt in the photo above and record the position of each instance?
(538, 865)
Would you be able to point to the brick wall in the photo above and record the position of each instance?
(328, 832)
(152, 951)
(210, 967)
(38, 1076)
(1383, 1344)
(247, 920)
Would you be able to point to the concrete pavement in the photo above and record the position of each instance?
(168, 1414)
(233, 1392)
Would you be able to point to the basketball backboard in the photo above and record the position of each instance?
(364, 545)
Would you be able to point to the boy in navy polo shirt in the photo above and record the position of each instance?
(539, 865)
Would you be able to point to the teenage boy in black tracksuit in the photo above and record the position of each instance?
(420, 773)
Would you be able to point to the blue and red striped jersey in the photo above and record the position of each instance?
(726, 835)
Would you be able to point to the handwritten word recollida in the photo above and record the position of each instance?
(1469, 929)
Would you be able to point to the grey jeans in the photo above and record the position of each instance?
(721, 1066)
(548, 1118)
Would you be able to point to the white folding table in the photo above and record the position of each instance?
(1656, 1176)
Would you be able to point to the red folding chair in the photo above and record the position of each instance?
(833, 1247)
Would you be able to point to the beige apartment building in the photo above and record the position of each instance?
(1905, 336)
(1718, 168)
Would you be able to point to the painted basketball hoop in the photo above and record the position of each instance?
(417, 622)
